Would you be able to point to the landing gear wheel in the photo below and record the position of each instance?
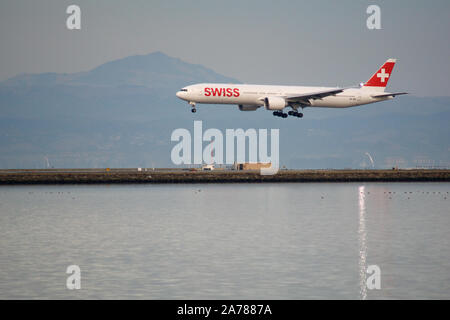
(284, 115)
(300, 115)
(192, 104)
(291, 113)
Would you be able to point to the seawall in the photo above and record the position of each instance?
(99, 176)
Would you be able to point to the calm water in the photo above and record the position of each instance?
(242, 241)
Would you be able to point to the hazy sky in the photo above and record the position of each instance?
(276, 42)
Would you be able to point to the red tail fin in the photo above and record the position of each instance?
(380, 78)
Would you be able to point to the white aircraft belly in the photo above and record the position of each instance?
(254, 95)
(334, 102)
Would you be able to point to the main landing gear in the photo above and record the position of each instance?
(295, 114)
(285, 115)
(280, 114)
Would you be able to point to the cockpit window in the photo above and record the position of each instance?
(184, 90)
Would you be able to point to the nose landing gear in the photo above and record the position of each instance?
(193, 110)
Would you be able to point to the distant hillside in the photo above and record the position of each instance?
(155, 70)
(122, 113)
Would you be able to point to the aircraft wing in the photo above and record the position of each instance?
(388, 94)
(303, 98)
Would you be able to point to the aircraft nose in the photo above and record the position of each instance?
(179, 94)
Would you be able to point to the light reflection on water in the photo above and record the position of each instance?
(362, 243)
(237, 241)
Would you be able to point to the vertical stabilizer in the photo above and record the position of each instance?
(380, 79)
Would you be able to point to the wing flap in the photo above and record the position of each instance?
(313, 95)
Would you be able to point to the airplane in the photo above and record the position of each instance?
(250, 97)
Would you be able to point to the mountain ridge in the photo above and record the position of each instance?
(120, 72)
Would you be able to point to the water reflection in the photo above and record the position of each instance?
(362, 235)
(225, 241)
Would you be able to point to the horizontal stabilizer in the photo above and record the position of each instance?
(388, 94)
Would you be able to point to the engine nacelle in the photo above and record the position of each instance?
(247, 107)
(275, 103)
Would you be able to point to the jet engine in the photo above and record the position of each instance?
(244, 107)
(274, 103)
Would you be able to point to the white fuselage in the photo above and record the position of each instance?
(254, 95)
